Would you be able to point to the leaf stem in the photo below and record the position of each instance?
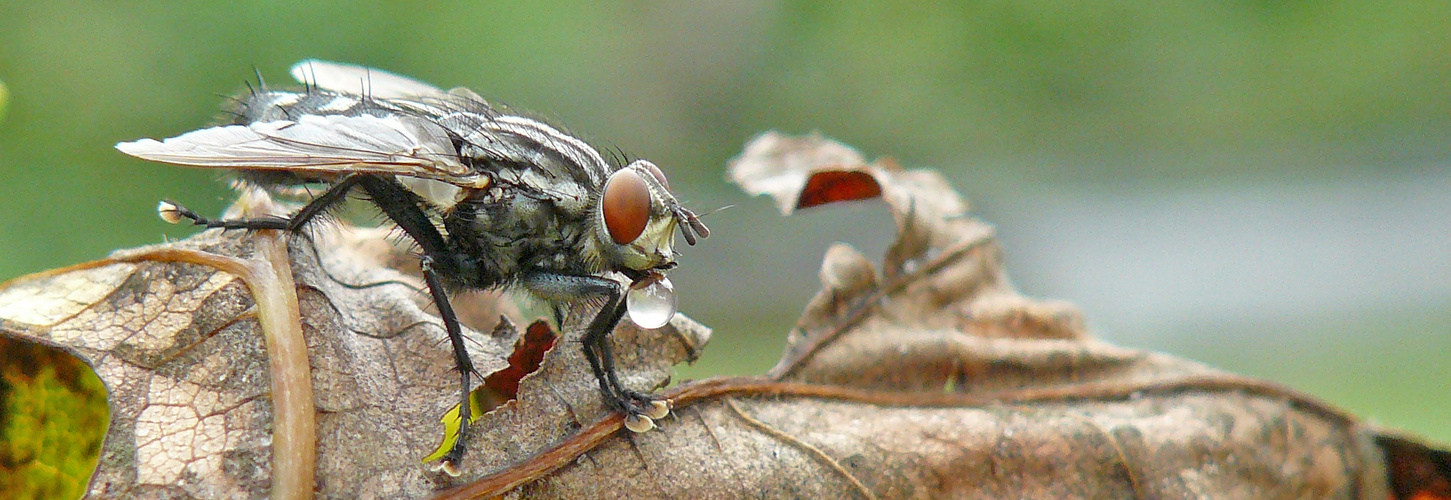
(294, 419)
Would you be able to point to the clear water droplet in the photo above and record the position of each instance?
(652, 306)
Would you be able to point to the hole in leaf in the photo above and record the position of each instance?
(53, 417)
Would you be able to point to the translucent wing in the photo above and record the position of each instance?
(359, 80)
(318, 144)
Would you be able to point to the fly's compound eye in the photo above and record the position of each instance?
(626, 205)
(659, 175)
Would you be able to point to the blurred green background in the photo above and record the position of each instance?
(1258, 185)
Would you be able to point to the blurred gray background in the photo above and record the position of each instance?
(1258, 185)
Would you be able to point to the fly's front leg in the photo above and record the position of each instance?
(596, 341)
(174, 213)
(598, 334)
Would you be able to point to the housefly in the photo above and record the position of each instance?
(491, 198)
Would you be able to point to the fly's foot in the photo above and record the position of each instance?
(642, 410)
(658, 409)
(448, 466)
(639, 403)
(173, 213)
(639, 423)
(455, 455)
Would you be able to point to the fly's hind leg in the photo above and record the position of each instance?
(174, 213)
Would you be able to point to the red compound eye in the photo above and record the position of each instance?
(626, 206)
(659, 175)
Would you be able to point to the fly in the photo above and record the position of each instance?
(491, 198)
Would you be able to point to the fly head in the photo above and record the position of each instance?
(639, 216)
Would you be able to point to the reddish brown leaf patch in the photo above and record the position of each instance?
(537, 340)
(1417, 471)
(838, 185)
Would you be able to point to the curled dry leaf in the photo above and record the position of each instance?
(501, 386)
(943, 272)
(991, 394)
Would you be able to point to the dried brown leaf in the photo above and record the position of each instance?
(926, 377)
(1066, 416)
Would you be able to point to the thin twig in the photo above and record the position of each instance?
(1118, 449)
(294, 419)
(810, 449)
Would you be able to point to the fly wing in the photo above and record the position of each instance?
(358, 80)
(318, 144)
